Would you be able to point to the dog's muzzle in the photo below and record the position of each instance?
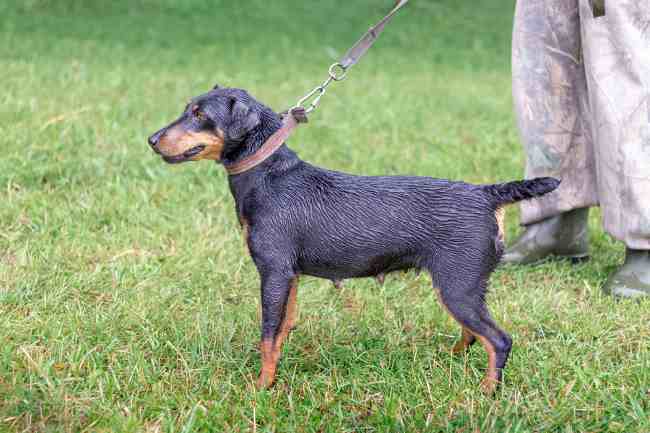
(154, 139)
(188, 154)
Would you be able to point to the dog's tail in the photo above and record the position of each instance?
(512, 192)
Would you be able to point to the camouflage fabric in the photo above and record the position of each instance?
(581, 72)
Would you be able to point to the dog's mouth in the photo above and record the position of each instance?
(185, 156)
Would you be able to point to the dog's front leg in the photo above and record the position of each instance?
(278, 317)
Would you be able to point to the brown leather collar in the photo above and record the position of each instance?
(268, 148)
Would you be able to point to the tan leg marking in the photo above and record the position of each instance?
(272, 349)
(269, 364)
(291, 305)
(491, 379)
(464, 343)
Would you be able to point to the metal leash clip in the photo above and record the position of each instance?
(338, 71)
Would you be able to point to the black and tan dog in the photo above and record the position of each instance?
(300, 219)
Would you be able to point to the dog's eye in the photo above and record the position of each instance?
(197, 113)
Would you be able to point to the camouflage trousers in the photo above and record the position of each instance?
(581, 86)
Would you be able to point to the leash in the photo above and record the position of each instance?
(338, 71)
(298, 113)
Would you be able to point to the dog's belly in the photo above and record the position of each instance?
(350, 266)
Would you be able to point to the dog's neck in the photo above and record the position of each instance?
(280, 161)
(269, 124)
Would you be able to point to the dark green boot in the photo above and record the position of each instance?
(565, 236)
(632, 280)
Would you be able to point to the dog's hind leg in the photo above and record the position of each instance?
(467, 339)
(292, 307)
(278, 318)
(465, 302)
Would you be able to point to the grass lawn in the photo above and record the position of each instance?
(128, 302)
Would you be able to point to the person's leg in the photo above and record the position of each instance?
(549, 91)
(616, 45)
(565, 235)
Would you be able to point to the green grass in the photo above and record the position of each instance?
(128, 302)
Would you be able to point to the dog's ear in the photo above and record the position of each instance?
(244, 119)
(216, 86)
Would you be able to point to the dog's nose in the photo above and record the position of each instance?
(153, 139)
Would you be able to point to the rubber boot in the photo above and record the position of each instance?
(563, 236)
(632, 280)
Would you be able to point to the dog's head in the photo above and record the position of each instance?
(212, 125)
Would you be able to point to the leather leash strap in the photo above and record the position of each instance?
(298, 114)
(268, 148)
(338, 71)
(359, 49)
